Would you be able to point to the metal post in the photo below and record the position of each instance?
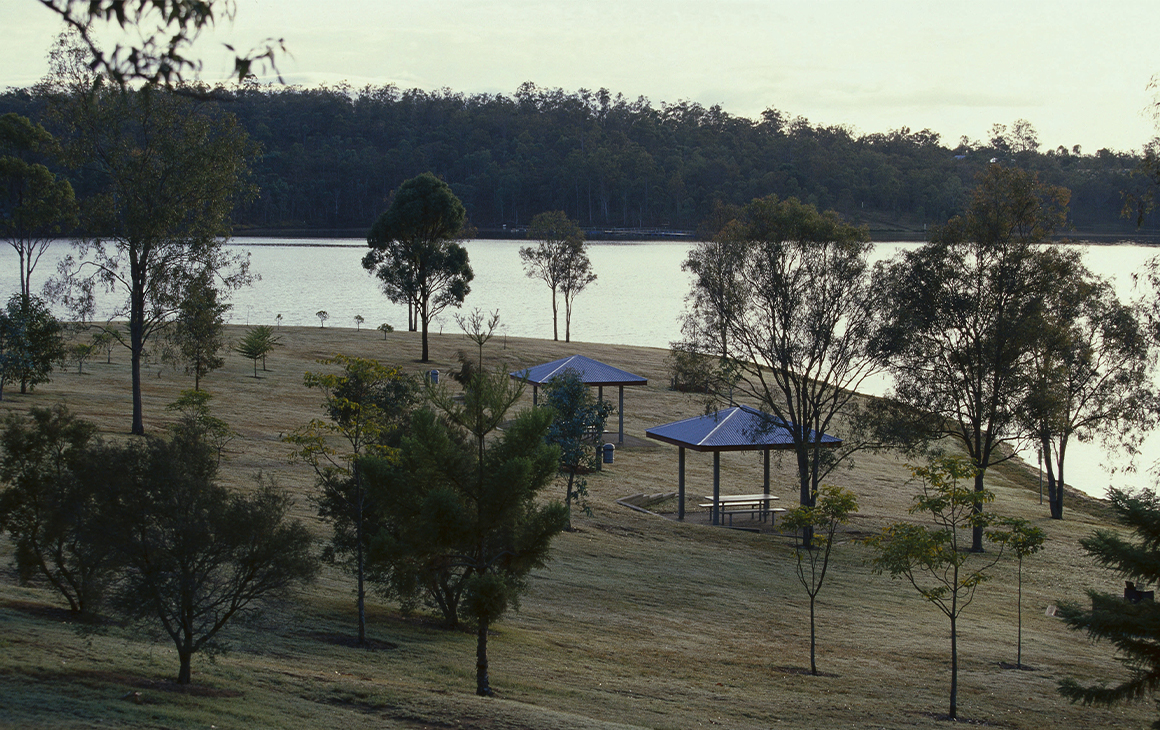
(621, 441)
(716, 487)
(765, 506)
(681, 483)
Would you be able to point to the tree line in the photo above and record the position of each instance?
(331, 156)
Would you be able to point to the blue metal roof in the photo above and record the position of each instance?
(739, 428)
(591, 372)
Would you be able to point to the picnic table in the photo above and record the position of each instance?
(754, 504)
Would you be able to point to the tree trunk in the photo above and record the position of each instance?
(954, 710)
(136, 349)
(185, 673)
(813, 639)
(362, 594)
(555, 317)
(977, 530)
(482, 685)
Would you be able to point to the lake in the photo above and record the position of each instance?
(638, 299)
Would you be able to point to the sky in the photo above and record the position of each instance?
(1080, 72)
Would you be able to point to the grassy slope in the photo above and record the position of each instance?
(639, 622)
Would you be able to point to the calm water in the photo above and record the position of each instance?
(638, 299)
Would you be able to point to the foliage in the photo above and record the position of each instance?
(322, 315)
(560, 260)
(198, 330)
(577, 425)
(196, 422)
(259, 342)
(1131, 627)
(165, 30)
(168, 173)
(358, 320)
(366, 405)
(193, 554)
(414, 252)
(466, 510)
(933, 559)
(828, 509)
(783, 293)
(961, 315)
(31, 341)
(52, 503)
(35, 206)
(386, 329)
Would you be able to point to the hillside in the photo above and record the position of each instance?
(638, 622)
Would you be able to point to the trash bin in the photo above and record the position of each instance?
(433, 376)
(609, 452)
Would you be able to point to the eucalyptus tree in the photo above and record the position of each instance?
(961, 316)
(170, 171)
(415, 251)
(35, 206)
(1091, 373)
(784, 295)
(560, 260)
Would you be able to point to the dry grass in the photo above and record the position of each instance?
(638, 622)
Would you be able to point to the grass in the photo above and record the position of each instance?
(638, 622)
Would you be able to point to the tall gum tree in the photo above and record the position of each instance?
(171, 171)
(35, 206)
(415, 251)
(960, 316)
(789, 303)
(560, 260)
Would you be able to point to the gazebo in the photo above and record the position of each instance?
(591, 372)
(739, 428)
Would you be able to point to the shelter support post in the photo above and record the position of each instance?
(621, 410)
(681, 483)
(535, 394)
(765, 512)
(716, 487)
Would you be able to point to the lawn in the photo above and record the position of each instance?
(639, 621)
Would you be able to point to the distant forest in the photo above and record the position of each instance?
(331, 157)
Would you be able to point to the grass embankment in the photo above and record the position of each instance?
(638, 622)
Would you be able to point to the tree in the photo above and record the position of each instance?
(932, 559)
(560, 259)
(198, 330)
(1091, 370)
(386, 329)
(194, 554)
(1130, 626)
(792, 310)
(1024, 539)
(577, 426)
(31, 341)
(366, 406)
(414, 252)
(322, 315)
(52, 505)
(35, 206)
(472, 507)
(259, 342)
(165, 30)
(358, 320)
(171, 172)
(831, 508)
(195, 421)
(961, 314)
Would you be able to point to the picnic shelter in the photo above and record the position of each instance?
(739, 428)
(591, 372)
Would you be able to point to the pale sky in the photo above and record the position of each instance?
(1078, 71)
